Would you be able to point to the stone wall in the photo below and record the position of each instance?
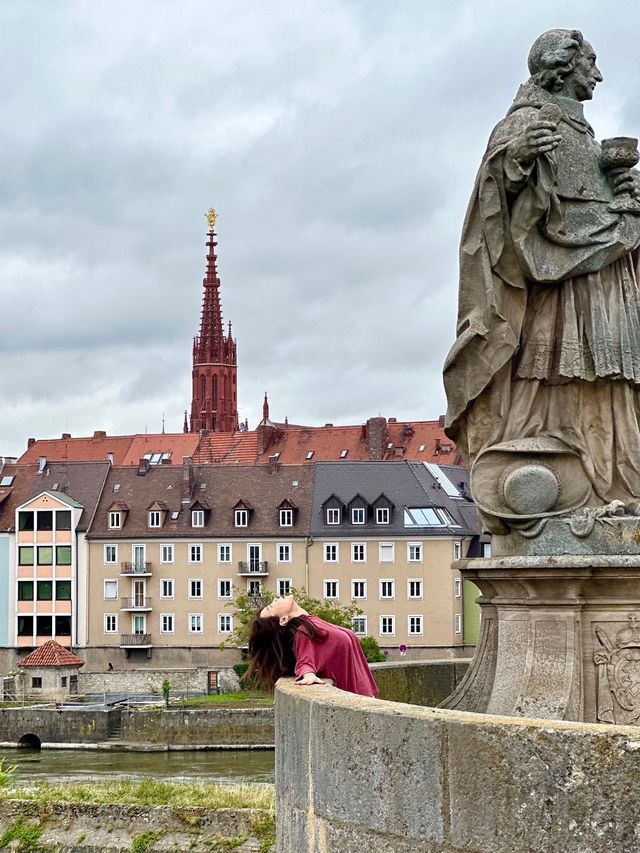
(222, 727)
(84, 828)
(356, 774)
(50, 725)
(427, 683)
(147, 680)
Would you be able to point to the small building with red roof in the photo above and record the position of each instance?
(50, 671)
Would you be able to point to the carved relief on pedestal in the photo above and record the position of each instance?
(618, 664)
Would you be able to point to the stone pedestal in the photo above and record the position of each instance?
(560, 638)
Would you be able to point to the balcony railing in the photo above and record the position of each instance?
(138, 602)
(135, 641)
(253, 567)
(135, 568)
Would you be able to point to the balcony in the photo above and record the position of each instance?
(253, 568)
(140, 569)
(135, 641)
(138, 602)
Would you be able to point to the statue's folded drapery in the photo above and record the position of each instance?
(549, 315)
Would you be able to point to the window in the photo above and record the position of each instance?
(225, 588)
(414, 552)
(331, 589)
(427, 517)
(414, 588)
(310, 454)
(195, 588)
(110, 589)
(25, 626)
(457, 622)
(166, 588)
(457, 587)
(197, 518)
(382, 515)
(45, 555)
(414, 624)
(195, 623)
(358, 589)
(224, 553)
(224, 623)
(357, 515)
(44, 590)
(387, 626)
(63, 590)
(358, 552)
(387, 552)
(63, 519)
(333, 515)
(284, 552)
(387, 588)
(457, 550)
(166, 553)
(155, 518)
(195, 553)
(63, 555)
(45, 519)
(286, 518)
(7, 480)
(25, 520)
(283, 585)
(241, 518)
(111, 623)
(359, 625)
(166, 623)
(36, 682)
(330, 552)
(486, 549)
(111, 553)
(343, 454)
(25, 555)
(114, 520)
(63, 626)
(25, 590)
(254, 587)
(63, 680)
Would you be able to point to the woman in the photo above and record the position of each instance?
(285, 640)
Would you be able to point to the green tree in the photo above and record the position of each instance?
(371, 650)
(166, 690)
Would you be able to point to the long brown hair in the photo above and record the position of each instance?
(271, 653)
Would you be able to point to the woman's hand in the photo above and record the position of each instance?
(536, 138)
(309, 678)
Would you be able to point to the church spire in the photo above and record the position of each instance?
(214, 394)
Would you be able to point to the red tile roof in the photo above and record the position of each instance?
(178, 444)
(51, 654)
(228, 448)
(93, 449)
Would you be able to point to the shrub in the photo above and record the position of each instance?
(371, 650)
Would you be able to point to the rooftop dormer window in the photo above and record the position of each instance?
(115, 520)
(286, 518)
(155, 518)
(333, 515)
(197, 518)
(382, 515)
(358, 515)
(241, 517)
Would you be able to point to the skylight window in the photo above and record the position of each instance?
(116, 487)
(438, 474)
(421, 448)
(427, 516)
(389, 445)
(7, 480)
(175, 514)
(310, 454)
(343, 454)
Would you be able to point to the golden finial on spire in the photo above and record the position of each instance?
(211, 218)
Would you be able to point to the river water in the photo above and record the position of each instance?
(66, 765)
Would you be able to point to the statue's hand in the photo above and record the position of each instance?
(626, 181)
(537, 138)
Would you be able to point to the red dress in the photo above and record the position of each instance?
(339, 657)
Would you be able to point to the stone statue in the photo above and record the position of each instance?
(543, 381)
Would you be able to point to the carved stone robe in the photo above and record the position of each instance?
(549, 306)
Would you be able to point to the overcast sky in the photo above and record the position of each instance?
(338, 141)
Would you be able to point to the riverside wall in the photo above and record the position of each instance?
(419, 683)
(356, 774)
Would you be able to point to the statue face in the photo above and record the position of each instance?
(581, 82)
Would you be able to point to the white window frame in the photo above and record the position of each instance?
(225, 581)
(393, 589)
(195, 619)
(170, 617)
(115, 519)
(167, 552)
(457, 623)
(190, 588)
(225, 623)
(418, 581)
(154, 518)
(328, 545)
(414, 548)
(257, 584)
(197, 518)
(355, 597)
(355, 514)
(163, 588)
(383, 515)
(104, 589)
(457, 588)
(108, 562)
(362, 619)
(286, 518)
(108, 617)
(356, 549)
(241, 518)
(457, 550)
(333, 515)
(283, 586)
(193, 559)
(392, 632)
(279, 557)
(486, 550)
(225, 545)
(384, 545)
(415, 633)
(337, 589)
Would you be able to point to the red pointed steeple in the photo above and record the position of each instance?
(214, 397)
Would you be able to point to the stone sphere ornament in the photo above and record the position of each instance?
(531, 489)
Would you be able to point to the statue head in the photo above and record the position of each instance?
(562, 61)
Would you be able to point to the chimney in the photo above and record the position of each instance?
(376, 436)
(30, 442)
(98, 434)
(187, 478)
(66, 435)
(437, 450)
(273, 462)
(265, 433)
(143, 467)
(441, 421)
